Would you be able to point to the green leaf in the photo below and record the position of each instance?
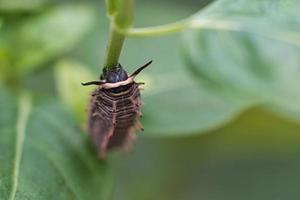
(47, 36)
(68, 75)
(254, 157)
(21, 5)
(4, 51)
(180, 106)
(44, 155)
(248, 49)
(174, 104)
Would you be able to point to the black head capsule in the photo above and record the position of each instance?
(116, 75)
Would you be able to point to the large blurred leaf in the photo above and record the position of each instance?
(21, 5)
(4, 46)
(255, 157)
(46, 36)
(175, 105)
(45, 156)
(250, 51)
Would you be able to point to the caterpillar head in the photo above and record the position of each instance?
(116, 75)
(117, 80)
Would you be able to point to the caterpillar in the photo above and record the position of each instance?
(114, 110)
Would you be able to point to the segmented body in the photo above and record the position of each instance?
(114, 118)
(115, 109)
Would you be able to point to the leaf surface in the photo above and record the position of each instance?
(45, 155)
(248, 50)
(46, 36)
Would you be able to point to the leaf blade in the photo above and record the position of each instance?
(252, 53)
(46, 36)
(57, 160)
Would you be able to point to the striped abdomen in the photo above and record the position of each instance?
(114, 118)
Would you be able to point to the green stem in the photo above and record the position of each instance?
(120, 14)
(114, 48)
(175, 27)
(160, 30)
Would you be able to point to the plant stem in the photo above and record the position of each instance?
(120, 14)
(179, 26)
(165, 29)
(114, 48)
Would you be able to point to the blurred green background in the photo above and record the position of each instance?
(221, 111)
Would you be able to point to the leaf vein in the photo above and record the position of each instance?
(24, 111)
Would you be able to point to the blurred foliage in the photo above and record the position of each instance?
(255, 157)
(14, 6)
(55, 158)
(34, 40)
(249, 58)
(195, 86)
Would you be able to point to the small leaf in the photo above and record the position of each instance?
(69, 75)
(46, 36)
(44, 155)
(251, 50)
